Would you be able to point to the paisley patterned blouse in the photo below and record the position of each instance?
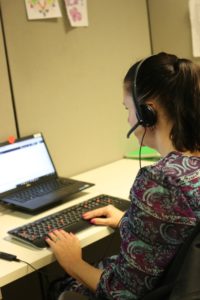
(165, 206)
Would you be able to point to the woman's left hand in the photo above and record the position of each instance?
(67, 249)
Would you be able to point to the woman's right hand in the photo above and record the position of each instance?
(107, 215)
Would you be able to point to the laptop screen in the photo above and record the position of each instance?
(24, 161)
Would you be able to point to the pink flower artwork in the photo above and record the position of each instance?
(75, 14)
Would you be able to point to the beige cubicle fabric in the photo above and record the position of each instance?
(67, 81)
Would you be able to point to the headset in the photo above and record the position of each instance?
(145, 114)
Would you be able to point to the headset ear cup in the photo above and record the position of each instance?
(149, 116)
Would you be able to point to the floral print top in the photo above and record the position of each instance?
(165, 206)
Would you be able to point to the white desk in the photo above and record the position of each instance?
(114, 179)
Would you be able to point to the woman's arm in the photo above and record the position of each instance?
(87, 274)
(67, 250)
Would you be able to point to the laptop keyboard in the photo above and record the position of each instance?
(69, 219)
(39, 190)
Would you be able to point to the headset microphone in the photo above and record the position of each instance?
(133, 128)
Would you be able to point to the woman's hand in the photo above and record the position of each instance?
(107, 215)
(67, 249)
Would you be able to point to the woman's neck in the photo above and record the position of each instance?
(188, 153)
(164, 147)
(158, 138)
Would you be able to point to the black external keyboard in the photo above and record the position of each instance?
(69, 219)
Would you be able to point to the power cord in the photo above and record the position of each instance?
(8, 256)
(11, 257)
(140, 150)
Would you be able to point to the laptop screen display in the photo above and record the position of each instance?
(24, 161)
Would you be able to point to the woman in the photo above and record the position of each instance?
(162, 96)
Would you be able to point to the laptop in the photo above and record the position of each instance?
(28, 177)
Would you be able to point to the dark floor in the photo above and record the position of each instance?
(34, 285)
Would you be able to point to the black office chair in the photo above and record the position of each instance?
(72, 296)
(181, 279)
(68, 295)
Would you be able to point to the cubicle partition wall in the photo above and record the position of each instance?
(7, 121)
(170, 27)
(67, 82)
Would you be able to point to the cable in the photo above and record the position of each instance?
(32, 267)
(140, 150)
(41, 275)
